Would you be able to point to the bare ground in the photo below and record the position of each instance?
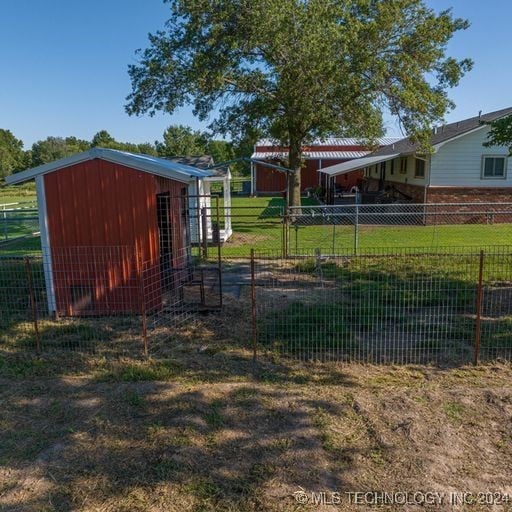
(199, 427)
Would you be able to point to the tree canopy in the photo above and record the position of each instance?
(11, 153)
(500, 133)
(177, 141)
(299, 69)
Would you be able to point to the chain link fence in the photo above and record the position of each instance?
(353, 229)
(430, 307)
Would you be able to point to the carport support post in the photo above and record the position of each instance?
(254, 317)
(33, 304)
(478, 326)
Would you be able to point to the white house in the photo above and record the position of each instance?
(460, 169)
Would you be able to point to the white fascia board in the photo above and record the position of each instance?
(45, 245)
(29, 174)
(110, 156)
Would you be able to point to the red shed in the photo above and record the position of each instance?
(106, 217)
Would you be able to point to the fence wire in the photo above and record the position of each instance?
(353, 229)
(402, 308)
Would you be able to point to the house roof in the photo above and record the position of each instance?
(146, 163)
(444, 133)
(199, 161)
(205, 162)
(405, 146)
(326, 155)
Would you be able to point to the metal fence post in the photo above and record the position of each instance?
(33, 305)
(204, 231)
(143, 314)
(356, 230)
(219, 250)
(478, 322)
(253, 309)
(286, 231)
(5, 223)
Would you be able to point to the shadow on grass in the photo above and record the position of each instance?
(118, 445)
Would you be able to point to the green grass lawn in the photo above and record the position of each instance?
(407, 307)
(257, 224)
(20, 194)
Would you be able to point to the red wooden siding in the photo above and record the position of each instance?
(102, 225)
(270, 180)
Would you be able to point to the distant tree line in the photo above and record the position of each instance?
(177, 140)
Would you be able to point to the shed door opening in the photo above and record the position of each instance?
(163, 206)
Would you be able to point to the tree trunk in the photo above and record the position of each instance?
(294, 178)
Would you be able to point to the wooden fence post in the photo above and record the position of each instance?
(478, 322)
(33, 304)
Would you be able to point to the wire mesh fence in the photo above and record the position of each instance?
(402, 308)
(114, 300)
(100, 300)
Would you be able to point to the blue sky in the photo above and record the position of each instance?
(63, 65)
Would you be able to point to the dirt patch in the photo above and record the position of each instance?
(249, 445)
(241, 239)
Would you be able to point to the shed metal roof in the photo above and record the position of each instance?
(333, 141)
(146, 163)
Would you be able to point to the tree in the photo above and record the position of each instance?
(11, 153)
(220, 150)
(54, 148)
(181, 140)
(300, 69)
(103, 139)
(500, 133)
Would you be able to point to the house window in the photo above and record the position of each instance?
(392, 168)
(419, 169)
(494, 167)
(403, 165)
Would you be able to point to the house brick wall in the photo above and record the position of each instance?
(469, 195)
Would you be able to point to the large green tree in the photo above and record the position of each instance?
(179, 140)
(299, 69)
(11, 153)
(54, 148)
(500, 133)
